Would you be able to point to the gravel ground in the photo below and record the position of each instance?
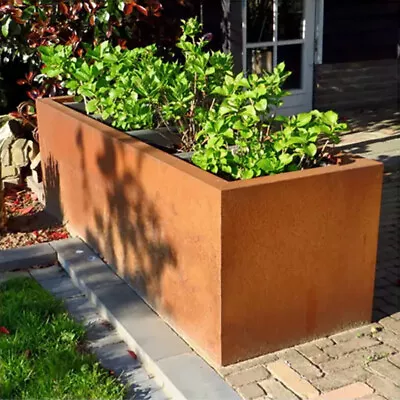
(27, 222)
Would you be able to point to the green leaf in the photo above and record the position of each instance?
(42, 14)
(330, 117)
(85, 92)
(286, 158)
(278, 146)
(261, 105)
(224, 109)
(250, 110)
(246, 133)
(5, 28)
(296, 140)
(280, 67)
(247, 174)
(228, 133)
(28, 12)
(303, 119)
(121, 5)
(265, 165)
(46, 50)
(91, 106)
(311, 149)
(239, 125)
(210, 71)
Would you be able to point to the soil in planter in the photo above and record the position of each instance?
(27, 222)
(169, 141)
(161, 138)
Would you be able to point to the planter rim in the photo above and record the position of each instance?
(193, 170)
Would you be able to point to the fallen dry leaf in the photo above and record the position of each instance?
(132, 354)
(4, 330)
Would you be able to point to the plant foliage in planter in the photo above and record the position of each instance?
(229, 121)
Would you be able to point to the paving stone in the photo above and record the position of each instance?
(394, 300)
(105, 340)
(313, 353)
(133, 318)
(352, 333)
(389, 338)
(300, 364)
(322, 343)
(27, 257)
(138, 375)
(341, 378)
(381, 293)
(246, 376)
(382, 283)
(61, 288)
(43, 274)
(391, 324)
(357, 358)
(384, 387)
(380, 303)
(395, 291)
(70, 250)
(115, 357)
(155, 395)
(195, 379)
(374, 397)
(389, 309)
(396, 316)
(93, 271)
(377, 314)
(148, 389)
(276, 391)
(82, 264)
(81, 310)
(251, 391)
(349, 346)
(5, 276)
(262, 360)
(395, 360)
(291, 379)
(350, 392)
(386, 369)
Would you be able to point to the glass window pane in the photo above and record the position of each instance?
(259, 21)
(290, 17)
(260, 60)
(291, 55)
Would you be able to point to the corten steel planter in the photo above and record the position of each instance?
(238, 268)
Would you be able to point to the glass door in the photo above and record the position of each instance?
(282, 30)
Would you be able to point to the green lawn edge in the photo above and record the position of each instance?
(41, 353)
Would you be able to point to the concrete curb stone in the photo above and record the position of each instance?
(27, 257)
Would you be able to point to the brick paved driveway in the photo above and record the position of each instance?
(362, 363)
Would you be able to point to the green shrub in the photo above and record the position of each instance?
(230, 121)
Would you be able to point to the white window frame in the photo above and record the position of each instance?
(274, 43)
(319, 31)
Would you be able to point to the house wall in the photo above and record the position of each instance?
(360, 43)
(363, 84)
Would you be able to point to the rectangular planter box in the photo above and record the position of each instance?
(238, 268)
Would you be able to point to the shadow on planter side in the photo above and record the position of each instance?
(121, 203)
(114, 222)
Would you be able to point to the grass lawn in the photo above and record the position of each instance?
(40, 344)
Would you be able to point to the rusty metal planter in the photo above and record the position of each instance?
(237, 268)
